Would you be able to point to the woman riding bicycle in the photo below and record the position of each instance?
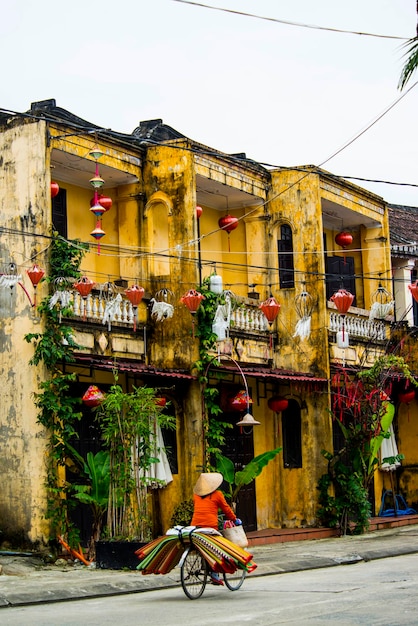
(207, 501)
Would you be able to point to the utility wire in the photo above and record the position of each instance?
(290, 23)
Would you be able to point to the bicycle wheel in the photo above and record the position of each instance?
(234, 581)
(194, 573)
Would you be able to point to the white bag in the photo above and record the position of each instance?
(236, 534)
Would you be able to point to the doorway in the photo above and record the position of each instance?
(239, 447)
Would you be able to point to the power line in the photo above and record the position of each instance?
(290, 23)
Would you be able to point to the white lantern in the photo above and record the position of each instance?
(215, 284)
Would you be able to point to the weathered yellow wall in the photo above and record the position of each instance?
(25, 208)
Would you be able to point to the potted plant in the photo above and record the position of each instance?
(128, 423)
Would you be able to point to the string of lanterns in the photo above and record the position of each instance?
(99, 204)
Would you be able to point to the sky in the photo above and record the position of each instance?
(285, 95)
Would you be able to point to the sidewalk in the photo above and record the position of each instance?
(27, 580)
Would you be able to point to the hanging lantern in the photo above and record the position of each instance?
(278, 404)
(96, 153)
(161, 401)
(84, 286)
(215, 284)
(304, 305)
(103, 201)
(406, 396)
(93, 396)
(135, 295)
(192, 300)
(35, 274)
(382, 303)
(240, 401)
(414, 290)
(342, 299)
(199, 212)
(98, 233)
(344, 239)
(55, 188)
(270, 308)
(228, 223)
(247, 420)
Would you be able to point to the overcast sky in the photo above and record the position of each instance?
(284, 95)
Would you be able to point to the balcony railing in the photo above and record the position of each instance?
(248, 318)
(98, 309)
(359, 326)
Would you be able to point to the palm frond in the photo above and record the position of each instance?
(412, 62)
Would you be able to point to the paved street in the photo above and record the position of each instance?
(376, 593)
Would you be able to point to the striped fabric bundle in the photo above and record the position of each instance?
(161, 555)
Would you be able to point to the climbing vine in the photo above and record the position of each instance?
(213, 427)
(57, 410)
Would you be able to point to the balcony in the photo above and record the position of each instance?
(358, 325)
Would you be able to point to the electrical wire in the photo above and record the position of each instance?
(291, 23)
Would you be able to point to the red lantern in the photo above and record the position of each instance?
(192, 300)
(278, 404)
(54, 189)
(240, 401)
(406, 396)
(84, 287)
(135, 295)
(344, 239)
(270, 308)
(161, 401)
(35, 274)
(228, 223)
(199, 212)
(342, 299)
(93, 396)
(104, 201)
(414, 290)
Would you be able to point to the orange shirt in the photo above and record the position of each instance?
(206, 509)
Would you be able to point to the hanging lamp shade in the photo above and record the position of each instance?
(55, 188)
(96, 182)
(248, 420)
(96, 153)
(93, 396)
(98, 232)
(344, 239)
(414, 290)
(199, 212)
(382, 303)
(342, 299)
(84, 286)
(103, 201)
(192, 300)
(215, 284)
(135, 294)
(270, 308)
(278, 404)
(228, 223)
(35, 274)
(241, 401)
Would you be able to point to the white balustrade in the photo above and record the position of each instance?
(356, 326)
(249, 319)
(93, 308)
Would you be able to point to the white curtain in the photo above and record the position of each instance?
(159, 474)
(389, 449)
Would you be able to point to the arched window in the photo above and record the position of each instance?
(292, 435)
(285, 247)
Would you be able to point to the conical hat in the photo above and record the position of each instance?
(206, 483)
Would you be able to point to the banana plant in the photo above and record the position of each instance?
(238, 479)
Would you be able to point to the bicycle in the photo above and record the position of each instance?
(194, 572)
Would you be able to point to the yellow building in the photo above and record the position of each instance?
(182, 214)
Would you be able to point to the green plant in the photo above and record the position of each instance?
(236, 480)
(362, 410)
(95, 491)
(183, 513)
(57, 410)
(213, 426)
(128, 422)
